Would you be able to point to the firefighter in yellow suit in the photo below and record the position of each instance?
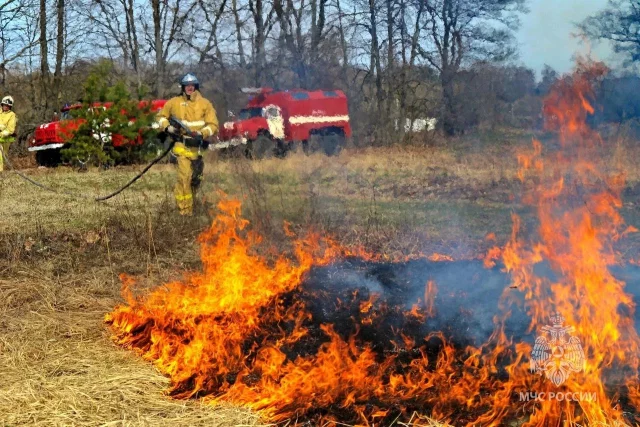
(199, 115)
(8, 121)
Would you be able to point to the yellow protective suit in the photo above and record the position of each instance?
(8, 122)
(197, 113)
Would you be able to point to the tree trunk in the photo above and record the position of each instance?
(408, 66)
(390, 56)
(448, 101)
(375, 54)
(236, 18)
(343, 45)
(314, 25)
(60, 48)
(259, 39)
(159, 48)
(317, 28)
(44, 55)
(132, 36)
(299, 47)
(294, 43)
(402, 92)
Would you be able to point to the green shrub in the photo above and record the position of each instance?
(109, 113)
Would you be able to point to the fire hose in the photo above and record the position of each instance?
(185, 131)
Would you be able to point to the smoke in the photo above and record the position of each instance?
(467, 300)
(463, 308)
(630, 274)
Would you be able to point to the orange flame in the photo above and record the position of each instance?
(228, 331)
(578, 205)
(194, 330)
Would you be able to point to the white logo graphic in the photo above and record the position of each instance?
(558, 355)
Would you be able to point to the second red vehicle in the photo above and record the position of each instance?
(50, 138)
(274, 121)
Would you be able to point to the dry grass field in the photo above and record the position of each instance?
(60, 257)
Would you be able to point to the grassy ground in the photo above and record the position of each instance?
(60, 257)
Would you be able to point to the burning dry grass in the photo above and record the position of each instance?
(57, 362)
(58, 366)
(60, 261)
(243, 331)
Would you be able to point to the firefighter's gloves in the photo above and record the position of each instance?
(172, 130)
(195, 134)
(5, 133)
(3, 126)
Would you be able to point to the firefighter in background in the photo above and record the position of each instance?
(198, 114)
(8, 121)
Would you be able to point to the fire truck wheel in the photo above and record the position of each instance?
(262, 147)
(48, 158)
(332, 143)
(313, 144)
(282, 148)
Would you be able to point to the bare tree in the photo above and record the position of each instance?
(262, 25)
(132, 38)
(157, 44)
(238, 27)
(16, 35)
(290, 20)
(203, 37)
(396, 59)
(459, 30)
(114, 23)
(618, 23)
(409, 44)
(302, 38)
(375, 67)
(343, 42)
(167, 33)
(318, 21)
(44, 50)
(60, 48)
(390, 12)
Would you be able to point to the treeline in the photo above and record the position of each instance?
(397, 60)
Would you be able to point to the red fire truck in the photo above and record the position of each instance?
(50, 138)
(275, 121)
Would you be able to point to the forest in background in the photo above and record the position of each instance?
(397, 60)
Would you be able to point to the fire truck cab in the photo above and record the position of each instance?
(274, 121)
(50, 138)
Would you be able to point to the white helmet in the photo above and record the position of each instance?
(190, 79)
(7, 100)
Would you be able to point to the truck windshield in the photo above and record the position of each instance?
(249, 113)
